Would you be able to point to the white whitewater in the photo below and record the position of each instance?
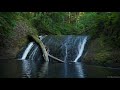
(81, 49)
(33, 53)
(30, 45)
(27, 50)
(65, 53)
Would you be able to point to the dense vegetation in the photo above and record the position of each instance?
(103, 26)
(93, 23)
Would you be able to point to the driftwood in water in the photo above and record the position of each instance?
(55, 58)
(37, 40)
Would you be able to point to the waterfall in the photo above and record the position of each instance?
(27, 51)
(79, 69)
(30, 45)
(68, 48)
(33, 53)
(65, 53)
(80, 48)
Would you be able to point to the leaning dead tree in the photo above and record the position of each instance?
(44, 51)
(39, 42)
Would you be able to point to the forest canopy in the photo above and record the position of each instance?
(95, 24)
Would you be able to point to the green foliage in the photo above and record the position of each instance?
(108, 25)
(55, 23)
(102, 56)
(96, 24)
(7, 22)
(87, 23)
(105, 24)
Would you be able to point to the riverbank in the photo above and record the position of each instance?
(101, 54)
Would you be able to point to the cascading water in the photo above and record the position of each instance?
(80, 48)
(68, 48)
(27, 50)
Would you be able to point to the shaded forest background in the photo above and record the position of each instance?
(102, 27)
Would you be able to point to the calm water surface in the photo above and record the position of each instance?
(26, 69)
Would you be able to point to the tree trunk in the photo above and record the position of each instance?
(38, 41)
(55, 58)
(42, 46)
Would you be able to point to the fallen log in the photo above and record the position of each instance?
(55, 58)
(39, 42)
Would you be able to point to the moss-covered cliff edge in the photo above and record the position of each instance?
(12, 44)
(99, 53)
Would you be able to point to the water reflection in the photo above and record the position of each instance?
(26, 69)
(65, 70)
(31, 69)
(79, 70)
(36, 69)
(43, 70)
